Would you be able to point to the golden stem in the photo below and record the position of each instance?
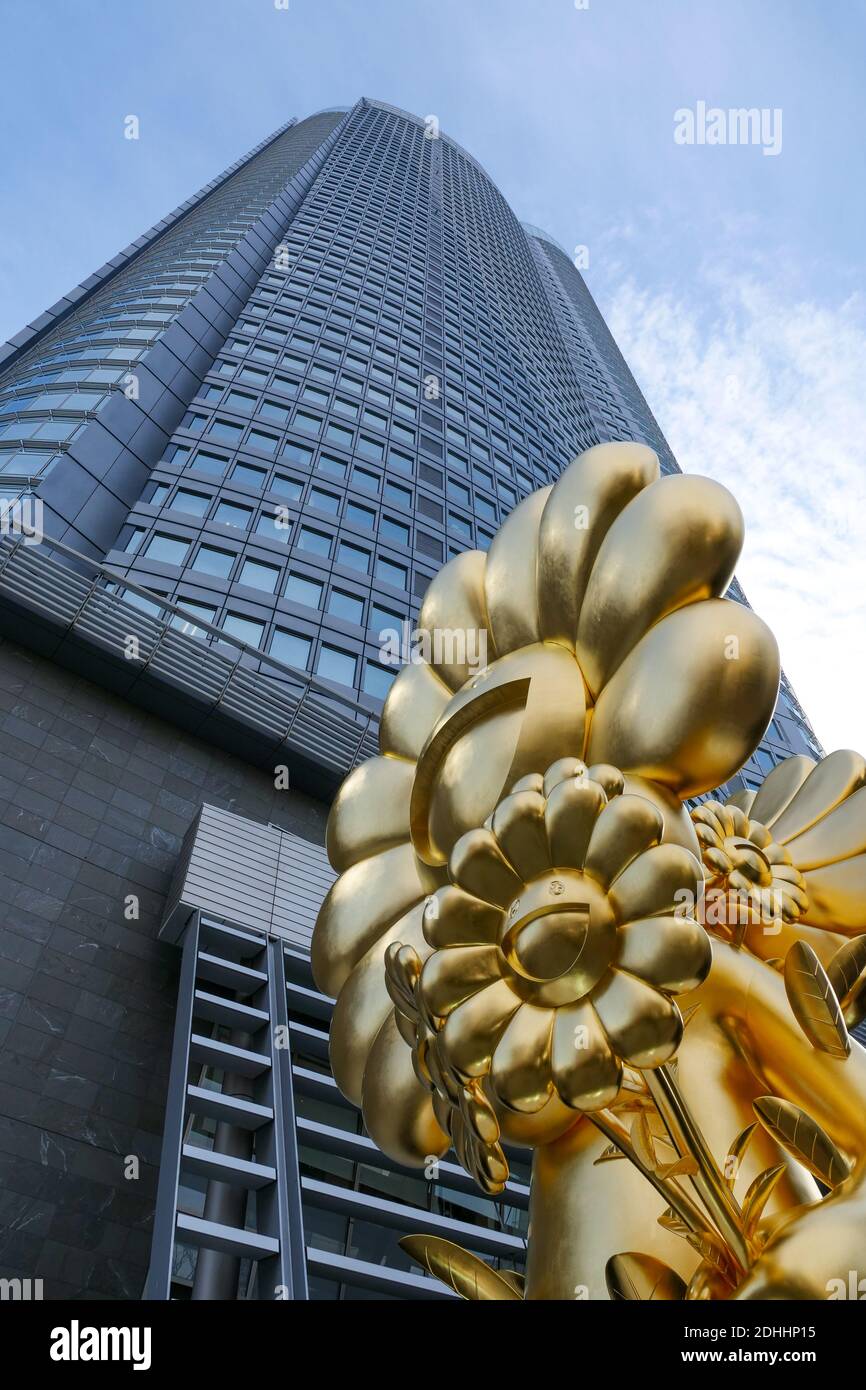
(687, 1138)
(668, 1189)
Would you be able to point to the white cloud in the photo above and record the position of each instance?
(769, 397)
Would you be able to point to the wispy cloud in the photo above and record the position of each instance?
(769, 397)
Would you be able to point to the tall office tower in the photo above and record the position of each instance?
(250, 441)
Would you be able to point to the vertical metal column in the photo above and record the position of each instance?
(158, 1283)
(279, 1206)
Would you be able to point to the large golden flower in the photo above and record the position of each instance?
(600, 608)
(555, 951)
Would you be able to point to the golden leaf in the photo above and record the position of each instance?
(462, 1271)
(517, 1281)
(682, 1167)
(735, 1153)
(758, 1195)
(813, 1001)
(642, 1141)
(711, 1251)
(633, 1276)
(669, 1221)
(846, 967)
(608, 1155)
(803, 1137)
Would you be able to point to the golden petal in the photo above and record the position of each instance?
(779, 788)
(509, 581)
(478, 866)
(585, 1071)
(678, 827)
(518, 824)
(452, 975)
(398, 1111)
(562, 771)
(758, 834)
(412, 707)
(364, 1004)
(829, 783)
(718, 860)
(370, 811)
(643, 1025)
(475, 1027)
(360, 906)
(839, 835)
(709, 814)
(658, 882)
(608, 777)
(837, 896)
(532, 782)
(675, 544)
(509, 722)
(672, 953)
(573, 808)
(454, 617)
(586, 500)
(626, 827)
(691, 700)
(455, 918)
(520, 1071)
(744, 799)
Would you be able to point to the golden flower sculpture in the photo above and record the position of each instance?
(555, 953)
(600, 608)
(510, 922)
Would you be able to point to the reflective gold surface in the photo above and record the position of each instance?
(532, 941)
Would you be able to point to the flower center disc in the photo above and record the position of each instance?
(558, 939)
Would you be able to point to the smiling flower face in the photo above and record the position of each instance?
(600, 608)
(556, 949)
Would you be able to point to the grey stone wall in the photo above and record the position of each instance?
(94, 799)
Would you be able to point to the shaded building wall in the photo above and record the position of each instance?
(94, 799)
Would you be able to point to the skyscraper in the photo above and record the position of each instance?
(248, 442)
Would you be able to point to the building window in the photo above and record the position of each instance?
(316, 541)
(196, 503)
(291, 648)
(210, 560)
(187, 625)
(335, 665)
(391, 573)
(346, 606)
(377, 680)
(259, 576)
(353, 556)
(299, 589)
(230, 514)
(248, 630)
(170, 550)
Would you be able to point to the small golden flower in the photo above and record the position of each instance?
(557, 946)
(749, 878)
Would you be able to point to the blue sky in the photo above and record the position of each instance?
(732, 279)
